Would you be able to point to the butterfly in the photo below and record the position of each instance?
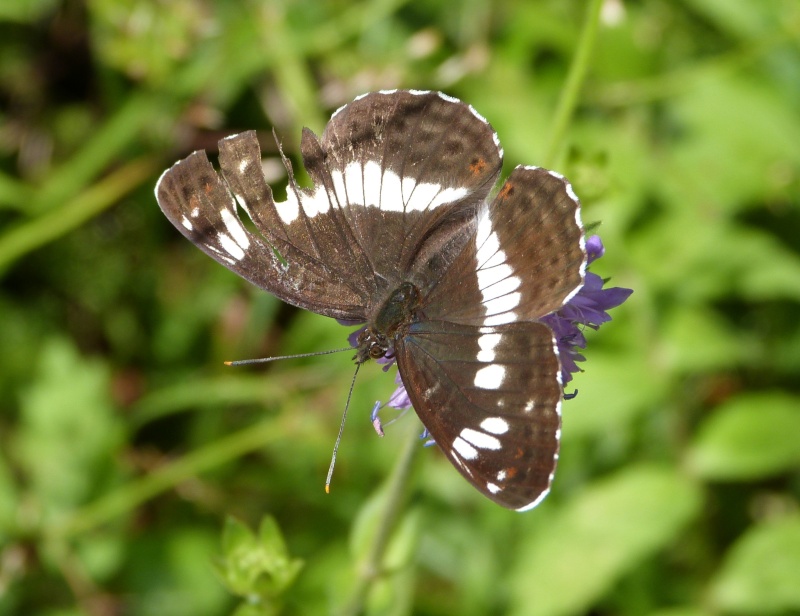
(398, 231)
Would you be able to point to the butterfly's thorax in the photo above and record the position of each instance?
(397, 312)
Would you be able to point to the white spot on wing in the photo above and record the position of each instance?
(465, 450)
(501, 319)
(407, 186)
(372, 183)
(495, 277)
(529, 406)
(490, 377)
(338, 187)
(495, 425)
(235, 228)
(498, 258)
(421, 197)
(498, 289)
(487, 343)
(502, 304)
(484, 229)
(288, 210)
(493, 488)
(187, 223)
(481, 440)
(391, 192)
(195, 212)
(448, 195)
(488, 249)
(319, 202)
(491, 276)
(242, 203)
(354, 183)
(243, 164)
(231, 247)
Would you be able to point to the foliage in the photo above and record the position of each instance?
(257, 569)
(125, 444)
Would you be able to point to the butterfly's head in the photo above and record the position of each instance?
(371, 345)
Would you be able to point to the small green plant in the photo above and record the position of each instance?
(257, 568)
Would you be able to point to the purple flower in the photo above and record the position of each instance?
(588, 308)
(399, 399)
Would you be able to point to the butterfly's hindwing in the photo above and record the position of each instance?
(490, 397)
(526, 259)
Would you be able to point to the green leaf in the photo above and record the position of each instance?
(256, 567)
(681, 611)
(737, 135)
(599, 536)
(731, 259)
(696, 339)
(760, 573)
(25, 11)
(366, 522)
(616, 388)
(739, 17)
(749, 437)
(235, 536)
(68, 430)
(8, 501)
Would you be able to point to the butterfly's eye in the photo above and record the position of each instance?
(376, 352)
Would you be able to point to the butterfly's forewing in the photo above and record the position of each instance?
(420, 163)
(197, 200)
(490, 397)
(526, 260)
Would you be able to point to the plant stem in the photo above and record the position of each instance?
(371, 568)
(58, 222)
(577, 72)
(129, 496)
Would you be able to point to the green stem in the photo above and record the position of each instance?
(577, 72)
(105, 145)
(55, 223)
(131, 495)
(371, 568)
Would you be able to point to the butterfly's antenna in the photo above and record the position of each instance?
(264, 360)
(339, 436)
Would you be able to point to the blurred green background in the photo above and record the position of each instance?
(125, 444)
